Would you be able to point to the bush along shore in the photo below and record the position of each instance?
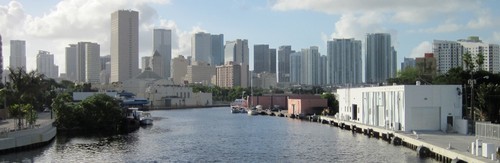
(99, 114)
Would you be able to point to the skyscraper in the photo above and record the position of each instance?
(45, 64)
(237, 52)
(295, 69)
(1, 60)
(92, 63)
(310, 66)
(162, 43)
(379, 58)
(71, 62)
(261, 58)
(284, 63)
(344, 61)
(124, 45)
(87, 62)
(146, 62)
(17, 54)
(272, 60)
(323, 62)
(179, 69)
(201, 47)
(217, 49)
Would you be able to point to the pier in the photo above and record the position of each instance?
(444, 147)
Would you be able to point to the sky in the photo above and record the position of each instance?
(53, 24)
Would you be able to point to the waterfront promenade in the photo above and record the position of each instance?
(450, 145)
(12, 138)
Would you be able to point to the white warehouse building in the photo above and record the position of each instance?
(404, 107)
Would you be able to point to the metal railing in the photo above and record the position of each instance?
(488, 130)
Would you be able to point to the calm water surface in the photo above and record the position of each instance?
(216, 135)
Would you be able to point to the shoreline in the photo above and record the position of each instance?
(189, 107)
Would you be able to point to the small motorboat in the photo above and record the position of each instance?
(252, 112)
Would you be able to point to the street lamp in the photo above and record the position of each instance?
(472, 82)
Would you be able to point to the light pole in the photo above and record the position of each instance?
(472, 82)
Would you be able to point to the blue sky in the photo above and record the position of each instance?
(51, 25)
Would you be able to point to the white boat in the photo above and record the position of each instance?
(146, 118)
(235, 110)
(252, 112)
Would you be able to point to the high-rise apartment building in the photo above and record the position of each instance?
(217, 49)
(228, 75)
(272, 60)
(323, 64)
(1, 60)
(124, 45)
(261, 58)
(295, 69)
(310, 66)
(70, 53)
(491, 53)
(201, 47)
(284, 63)
(162, 43)
(344, 61)
(200, 72)
(45, 64)
(448, 55)
(237, 52)
(380, 58)
(17, 54)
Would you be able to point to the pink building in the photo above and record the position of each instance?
(306, 105)
(268, 100)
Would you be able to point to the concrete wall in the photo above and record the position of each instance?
(27, 137)
(402, 107)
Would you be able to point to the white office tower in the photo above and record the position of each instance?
(87, 62)
(45, 64)
(124, 45)
(380, 58)
(310, 66)
(448, 55)
(237, 52)
(201, 47)
(17, 54)
(344, 62)
(490, 52)
(295, 69)
(162, 43)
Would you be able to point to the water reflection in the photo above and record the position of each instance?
(216, 135)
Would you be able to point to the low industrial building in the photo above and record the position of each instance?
(404, 107)
(304, 105)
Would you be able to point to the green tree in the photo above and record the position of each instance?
(333, 104)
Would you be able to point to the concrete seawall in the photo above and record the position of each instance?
(33, 137)
(442, 146)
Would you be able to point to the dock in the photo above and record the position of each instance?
(444, 147)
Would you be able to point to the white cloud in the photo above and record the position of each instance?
(446, 27)
(71, 21)
(423, 47)
(496, 36)
(484, 20)
(407, 11)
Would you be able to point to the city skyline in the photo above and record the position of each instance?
(412, 31)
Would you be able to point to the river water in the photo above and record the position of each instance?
(216, 135)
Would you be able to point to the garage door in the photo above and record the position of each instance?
(424, 119)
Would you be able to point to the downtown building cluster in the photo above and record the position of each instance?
(214, 61)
